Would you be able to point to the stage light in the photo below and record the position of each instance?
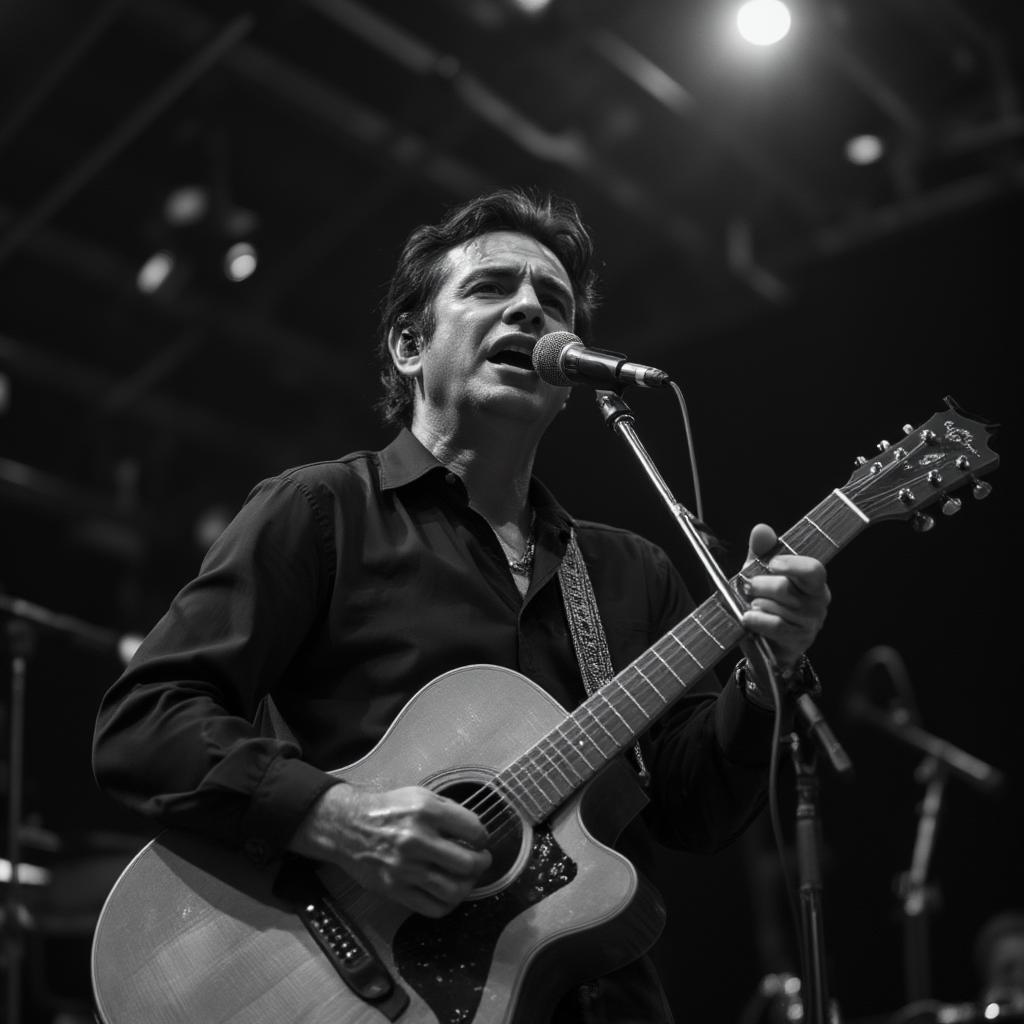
(532, 6)
(127, 645)
(186, 204)
(864, 149)
(763, 22)
(154, 272)
(210, 524)
(240, 261)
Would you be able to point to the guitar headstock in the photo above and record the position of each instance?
(925, 466)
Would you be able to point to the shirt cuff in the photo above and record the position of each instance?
(743, 730)
(282, 800)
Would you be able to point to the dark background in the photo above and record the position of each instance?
(806, 307)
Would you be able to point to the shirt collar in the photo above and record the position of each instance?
(548, 509)
(405, 460)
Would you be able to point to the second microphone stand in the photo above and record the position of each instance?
(619, 417)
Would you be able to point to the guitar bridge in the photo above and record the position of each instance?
(349, 952)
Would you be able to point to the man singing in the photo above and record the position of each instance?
(343, 587)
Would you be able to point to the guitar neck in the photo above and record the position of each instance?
(610, 720)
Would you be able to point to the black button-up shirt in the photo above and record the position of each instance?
(338, 591)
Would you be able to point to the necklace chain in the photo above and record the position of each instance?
(523, 565)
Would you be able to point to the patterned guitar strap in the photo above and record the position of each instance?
(588, 637)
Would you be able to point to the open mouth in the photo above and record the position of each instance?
(512, 357)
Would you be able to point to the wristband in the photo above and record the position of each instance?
(749, 688)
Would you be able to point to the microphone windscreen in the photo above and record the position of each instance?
(547, 356)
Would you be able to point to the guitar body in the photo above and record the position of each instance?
(193, 933)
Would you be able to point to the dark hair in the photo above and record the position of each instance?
(551, 220)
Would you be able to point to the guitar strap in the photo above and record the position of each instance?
(587, 633)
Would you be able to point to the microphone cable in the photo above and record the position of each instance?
(789, 883)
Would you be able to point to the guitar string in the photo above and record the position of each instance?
(522, 776)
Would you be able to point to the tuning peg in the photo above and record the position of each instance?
(981, 489)
(922, 523)
(951, 506)
(907, 429)
(860, 461)
(882, 445)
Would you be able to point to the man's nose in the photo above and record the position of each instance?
(525, 307)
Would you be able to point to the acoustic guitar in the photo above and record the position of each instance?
(192, 933)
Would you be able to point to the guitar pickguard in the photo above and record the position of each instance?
(447, 960)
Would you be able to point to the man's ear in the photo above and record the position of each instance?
(404, 346)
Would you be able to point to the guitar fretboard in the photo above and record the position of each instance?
(610, 720)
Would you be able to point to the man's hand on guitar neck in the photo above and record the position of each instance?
(788, 603)
(411, 845)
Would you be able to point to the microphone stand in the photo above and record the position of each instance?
(21, 638)
(914, 889)
(619, 417)
(941, 762)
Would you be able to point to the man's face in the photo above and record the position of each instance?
(502, 292)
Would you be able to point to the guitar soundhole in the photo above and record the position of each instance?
(503, 824)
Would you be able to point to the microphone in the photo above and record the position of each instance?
(891, 709)
(561, 358)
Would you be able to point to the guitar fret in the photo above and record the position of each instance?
(556, 760)
(643, 675)
(593, 714)
(556, 764)
(686, 650)
(522, 789)
(623, 689)
(822, 532)
(657, 654)
(575, 747)
(558, 768)
(614, 709)
(563, 754)
(705, 628)
(512, 790)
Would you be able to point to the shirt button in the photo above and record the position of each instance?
(451, 479)
(256, 850)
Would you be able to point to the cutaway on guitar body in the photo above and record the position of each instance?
(193, 932)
